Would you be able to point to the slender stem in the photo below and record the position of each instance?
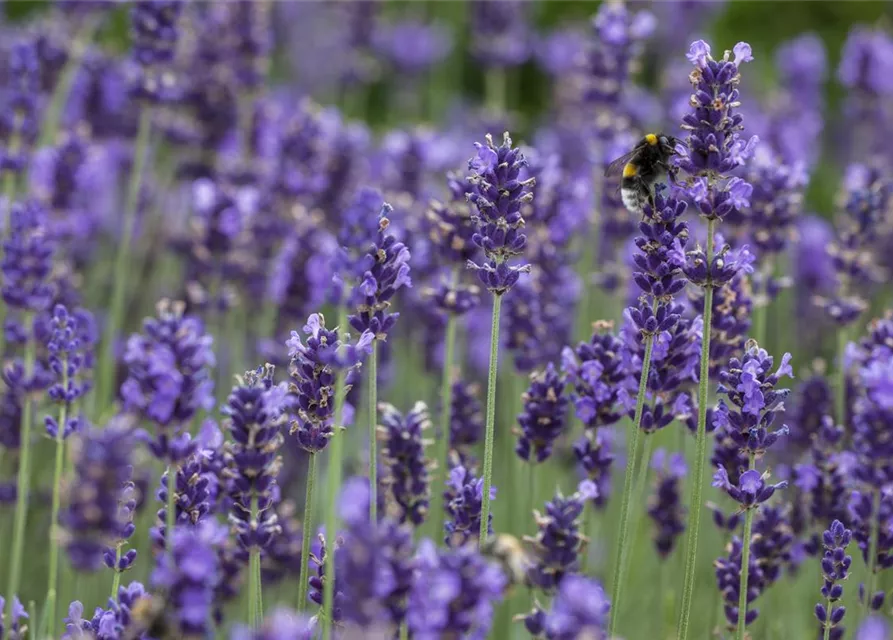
(255, 591)
(307, 533)
(24, 482)
(745, 566)
(53, 575)
(697, 482)
(446, 407)
(116, 579)
(638, 498)
(373, 436)
(491, 417)
(333, 488)
(626, 499)
(843, 338)
(170, 521)
(826, 635)
(495, 89)
(51, 119)
(872, 552)
(105, 381)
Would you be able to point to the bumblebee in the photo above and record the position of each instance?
(641, 168)
(509, 552)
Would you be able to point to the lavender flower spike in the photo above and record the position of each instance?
(544, 416)
(498, 197)
(835, 566)
(404, 456)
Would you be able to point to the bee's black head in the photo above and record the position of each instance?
(668, 144)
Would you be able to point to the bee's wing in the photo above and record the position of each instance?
(617, 165)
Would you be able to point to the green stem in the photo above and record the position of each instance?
(872, 553)
(53, 576)
(170, 521)
(116, 579)
(255, 591)
(23, 482)
(491, 417)
(307, 533)
(697, 481)
(826, 635)
(843, 337)
(443, 442)
(121, 281)
(63, 87)
(745, 566)
(373, 435)
(333, 488)
(626, 499)
(495, 87)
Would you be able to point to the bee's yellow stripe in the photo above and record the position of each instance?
(651, 139)
(629, 170)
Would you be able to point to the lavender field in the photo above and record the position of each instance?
(425, 320)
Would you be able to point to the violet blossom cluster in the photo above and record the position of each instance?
(93, 519)
(454, 593)
(835, 568)
(113, 622)
(580, 609)
(70, 359)
(544, 416)
(255, 411)
(315, 361)
(463, 502)
(466, 418)
(406, 468)
(665, 506)
(374, 566)
(20, 119)
(498, 198)
(155, 33)
(594, 455)
(169, 371)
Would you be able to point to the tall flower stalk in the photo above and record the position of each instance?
(323, 357)
(27, 290)
(659, 263)
(498, 198)
(69, 345)
(386, 267)
(451, 229)
(713, 149)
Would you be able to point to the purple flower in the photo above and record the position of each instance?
(498, 198)
(374, 566)
(70, 348)
(386, 272)
(580, 609)
(835, 567)
(189, 575)
(168, 366)
(20, 122)
(313, 368)
(27, 260)
(544, 416)
(752, 489)
(558, 543)
(403, 453)
(596, 371)
(106, 624)
(463, 500)
(861, 514)
(154, 33)
(281, 624)
(866, 60)
(595, 457)
(665, 507)
(357, 231)
(412, 47)
(500, 33)
(255, 409)
(16, 630)
(466, 417)
(453, 594)
(94, 518)
(714, 146)
(197, 484)
(874, 628)
(728, 581)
